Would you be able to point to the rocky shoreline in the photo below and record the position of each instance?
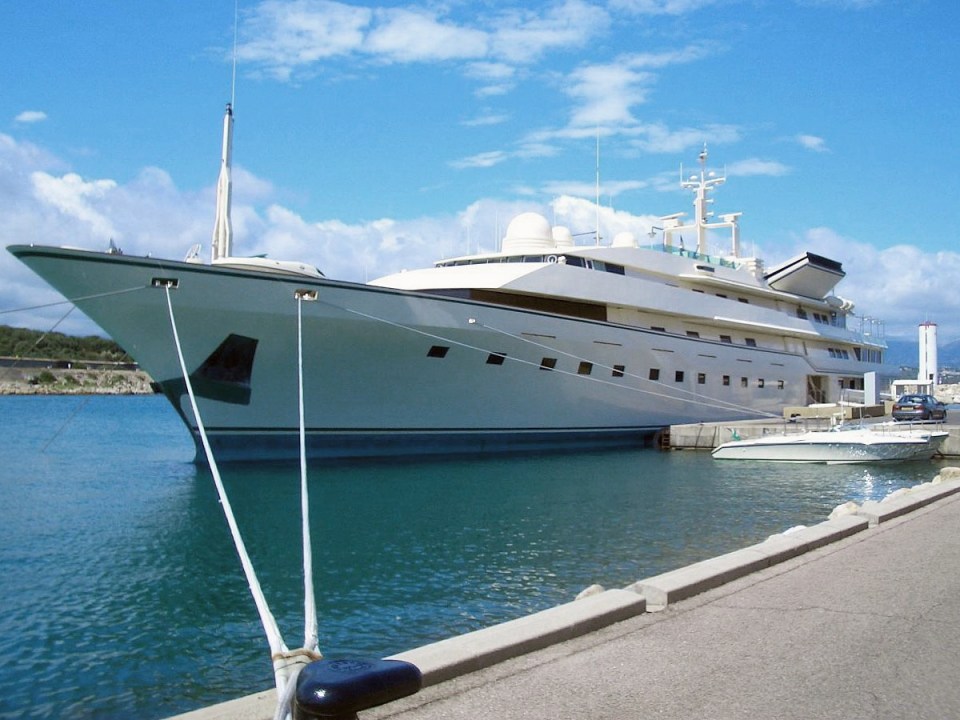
(31, 381)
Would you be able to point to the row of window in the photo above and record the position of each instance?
(726, 339)
(586, 368)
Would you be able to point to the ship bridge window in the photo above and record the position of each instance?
(608, 267)
(585, 368)
(496, 358)
(701, 378)
(438, 351)
(726, 339)
(618, 370)
(548, 363)
(654, 374)
(693, 333)
(750, 342)
(678, 376)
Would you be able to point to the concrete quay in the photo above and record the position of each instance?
(852, 618)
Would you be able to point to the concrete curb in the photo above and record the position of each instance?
(908, 499)
(476, 650)
(669, 587)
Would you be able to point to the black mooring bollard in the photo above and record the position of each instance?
(339, 689)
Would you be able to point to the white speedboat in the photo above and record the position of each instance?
(840, 445)
(541, 344)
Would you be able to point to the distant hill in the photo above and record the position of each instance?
(907, 353)
(20, 342)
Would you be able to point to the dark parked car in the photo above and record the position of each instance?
(919, 407)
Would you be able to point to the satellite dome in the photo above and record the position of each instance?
(528, 232)
(562, 236)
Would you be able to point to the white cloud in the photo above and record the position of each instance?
(30, 116)
(523, 35)
(812, 142)
(660, 7)
(284, 36)
(576, 188)
(658, 138)
(755, 166)
(77, 198)
(482, 160)
(486, 119)
(285, 39)
(403, 35)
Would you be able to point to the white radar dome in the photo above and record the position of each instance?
(624, 239)
(528, 232)
(562, 236)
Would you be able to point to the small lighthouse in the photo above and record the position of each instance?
(928, 355)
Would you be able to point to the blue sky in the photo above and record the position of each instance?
(376, 137)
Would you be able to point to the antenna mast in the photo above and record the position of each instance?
(222, 226)
(598, 186)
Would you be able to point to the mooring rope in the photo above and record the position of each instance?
(287, 663)
(73, 300)
(278, 650)
(309, 603)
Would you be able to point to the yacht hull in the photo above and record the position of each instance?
(840, 447)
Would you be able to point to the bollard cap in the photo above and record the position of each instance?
(341, 688)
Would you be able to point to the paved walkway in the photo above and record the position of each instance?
(867, 627)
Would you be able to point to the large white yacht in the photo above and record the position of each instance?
(543, 344)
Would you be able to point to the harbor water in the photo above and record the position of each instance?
(122, 594)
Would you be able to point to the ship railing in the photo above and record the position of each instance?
(693, 255)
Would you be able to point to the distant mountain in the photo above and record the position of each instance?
(907, 353)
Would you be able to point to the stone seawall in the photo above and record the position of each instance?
(34, 381)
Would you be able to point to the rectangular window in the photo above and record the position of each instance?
(618, 370)
(744, 300)
(678, 376)
(654, 374)
(548, 363)
(760, 383)
(726, 380)
(496, 358)
(779, 384)
(585, 368)
(658, 329)
(726, 339)
(701, 378)
(744, 382)
(750, 342)
(438, 351)
(693, 333)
